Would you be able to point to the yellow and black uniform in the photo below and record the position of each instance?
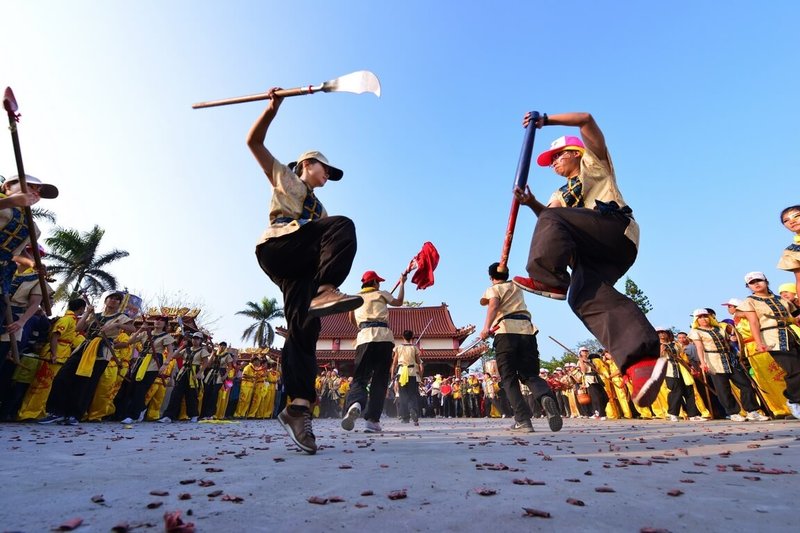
(213, 380)
(74, 386)
(723, 367)
(63, 333)
(679, 381)
(407, 361)
(144, 372)
(187, 384)
(776, 321)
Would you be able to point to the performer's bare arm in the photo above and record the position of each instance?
(491, 314)
(19, 199)
(701, 354)
(590, 132)
(258, 132)
(755, 330)
(526, 198)
(401, 294)
(33, 306)
(393, 367)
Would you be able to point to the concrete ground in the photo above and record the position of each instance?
(456, 475)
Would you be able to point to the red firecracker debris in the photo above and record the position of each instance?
(573, 501)
(397, 494)
(675, 492)
(159, 493)
(69, 525)
(317, 500)
(154, 505)
(535, 513)
(485, 491)
(174, 524)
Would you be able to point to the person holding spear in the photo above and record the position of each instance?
(588, 227)
(308, 254)
(517, 352)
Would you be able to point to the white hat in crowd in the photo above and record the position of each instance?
(736, 302)
(750, 276)
(700, 311)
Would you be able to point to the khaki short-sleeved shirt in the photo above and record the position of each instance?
(26, 289)
(159, 344)
(718, 363)
(790, 259)
(599, 183)
(511, 302)
(288, 195)
(374, 309)
(407, 356)
(772, 327)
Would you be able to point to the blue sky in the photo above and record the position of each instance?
(698, 102)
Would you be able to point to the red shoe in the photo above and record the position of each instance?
(646, 376)
(537, 287)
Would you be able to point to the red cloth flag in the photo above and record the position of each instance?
(427, 260)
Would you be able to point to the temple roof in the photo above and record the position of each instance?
(433, 355)
(400, 319)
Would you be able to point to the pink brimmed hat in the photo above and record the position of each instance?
(567, 142)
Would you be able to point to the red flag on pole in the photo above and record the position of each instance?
(427, 260)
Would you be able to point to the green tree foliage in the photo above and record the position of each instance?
(636, 294)
(261, 331)
(76, 257)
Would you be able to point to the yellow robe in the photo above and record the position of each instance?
(245, 391)
(769, 376)
(259, 393)
(155, 396)
(224, 395)
(111, 381)
(35, 399)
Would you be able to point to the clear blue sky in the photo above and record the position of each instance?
(698, 102)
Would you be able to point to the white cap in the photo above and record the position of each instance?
(750, 276)
(582, 348)
(736, 302)
(46, 190)
(559, 368)
(662, 328)
(700, 311)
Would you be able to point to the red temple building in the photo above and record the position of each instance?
(440, 343)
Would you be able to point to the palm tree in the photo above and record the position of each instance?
(75, 256)
(262, 312)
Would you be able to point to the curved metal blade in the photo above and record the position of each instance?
(359, 82)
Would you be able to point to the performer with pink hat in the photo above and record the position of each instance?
(587, 226)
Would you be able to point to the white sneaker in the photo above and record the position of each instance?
(141, 415)
(698, 418)
(372, 427)
(794, 408)
(193, 419)
(349, 420)
(755, 416)
(165, 420)
(128, 420)
(737, 418)
(673, 418)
